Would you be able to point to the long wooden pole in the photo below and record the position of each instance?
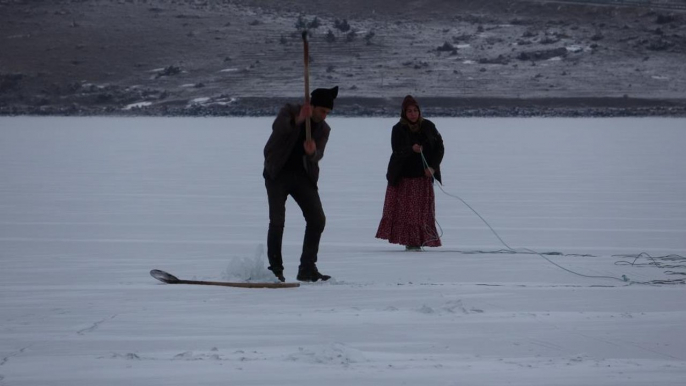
(168, 278)
(306, 50)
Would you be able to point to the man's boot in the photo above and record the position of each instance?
(278, 274)
(311, 274)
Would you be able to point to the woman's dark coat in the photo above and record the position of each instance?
(404, 161)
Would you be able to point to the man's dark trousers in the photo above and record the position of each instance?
(305, 193)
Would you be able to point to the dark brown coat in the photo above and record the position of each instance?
(281, 142)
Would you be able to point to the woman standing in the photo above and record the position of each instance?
(409, 208)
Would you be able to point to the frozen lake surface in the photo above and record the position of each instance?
(88, 206)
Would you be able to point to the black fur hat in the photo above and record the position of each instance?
(324, 97)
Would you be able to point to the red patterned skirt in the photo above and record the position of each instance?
(409, 214)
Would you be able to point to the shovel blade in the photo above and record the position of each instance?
(164, 276)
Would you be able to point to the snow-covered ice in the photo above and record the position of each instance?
(88, 206)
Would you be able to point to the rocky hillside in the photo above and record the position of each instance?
(459, 57)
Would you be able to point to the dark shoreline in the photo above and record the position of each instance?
(382, 107)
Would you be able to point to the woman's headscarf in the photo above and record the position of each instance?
(407, 102)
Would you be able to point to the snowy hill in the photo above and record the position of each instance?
(242, 57)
